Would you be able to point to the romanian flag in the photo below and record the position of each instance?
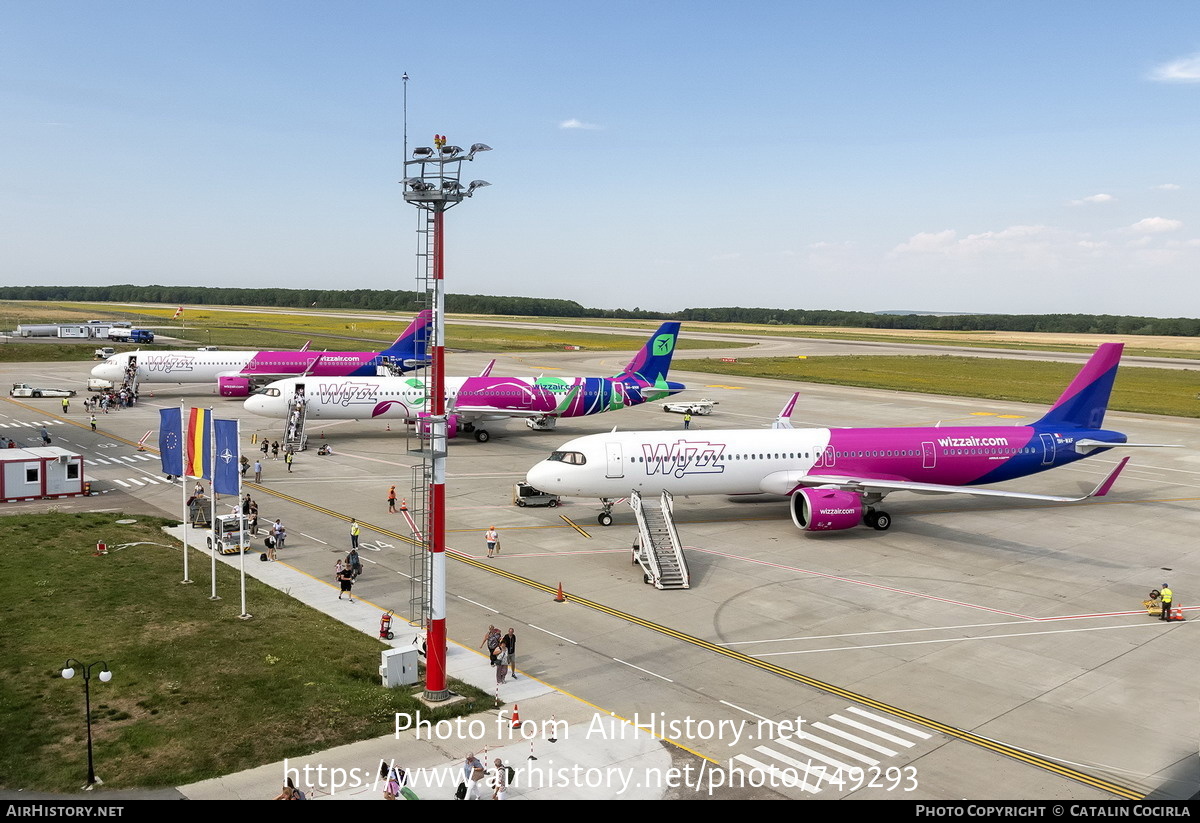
(197, 437)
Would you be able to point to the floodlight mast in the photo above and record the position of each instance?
(433, 183)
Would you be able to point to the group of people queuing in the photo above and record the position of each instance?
(122, 398)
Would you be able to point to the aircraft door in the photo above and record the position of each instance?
(616, 465)
(1047, 449)
(928, 455)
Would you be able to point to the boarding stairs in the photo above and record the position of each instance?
(294, 435)
(657, 549)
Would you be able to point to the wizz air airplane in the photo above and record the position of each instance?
(474, 401)
(835, 478)
(238, 373)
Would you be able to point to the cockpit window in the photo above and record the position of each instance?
(267, 392)
(574, 458)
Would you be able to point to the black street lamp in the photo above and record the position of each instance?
(105, 675)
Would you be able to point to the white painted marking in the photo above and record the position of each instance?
(815, 755)
(961, 639)
(739, 708)
(143, 457)
(135, 481)
(875, 747)
(552, 634)
(99, 460)
(152, 481)
(807, 768)
(863, 727)
(829, 744)
(887, 721)
(781, 777)
(121, 483)
(317, 539)
(647, 671)
(477, 603)
(126, 458)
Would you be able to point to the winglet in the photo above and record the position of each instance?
(783, 421)
(1103, 488)
(488, 368)
(306, 345)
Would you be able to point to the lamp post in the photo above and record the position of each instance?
(433, 183)
(105, 675)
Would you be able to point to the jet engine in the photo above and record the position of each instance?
(425, 428)
(233, 386)
(822, 510)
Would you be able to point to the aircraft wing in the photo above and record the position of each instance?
(787, 482)
(497, 413)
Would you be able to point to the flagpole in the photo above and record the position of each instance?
(183, 500)
(212, 490)
(245, 615)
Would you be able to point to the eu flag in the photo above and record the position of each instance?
(170, 441)
(225, 444)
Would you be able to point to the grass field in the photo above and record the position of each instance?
(269, 330)
(196, 692)
(1151, 391)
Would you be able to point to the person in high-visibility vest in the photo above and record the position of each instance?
(1168, 597)
(687, 419)
(392, 500)
(354, 532)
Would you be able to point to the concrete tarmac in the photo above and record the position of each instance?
(978, 649)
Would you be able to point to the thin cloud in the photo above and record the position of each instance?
(1183, 70)
(1156, 225)
(574, 123)
(1168, 187)
(1095, 198)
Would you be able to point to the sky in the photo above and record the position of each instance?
(1014, 157)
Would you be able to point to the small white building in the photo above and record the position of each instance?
(39, 473)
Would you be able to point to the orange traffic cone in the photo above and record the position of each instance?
(516, 719)
(403, 504)
(561, 598)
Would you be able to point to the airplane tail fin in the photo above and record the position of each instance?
(1083, 403)
(784, 420)
(413, 344)
(654, 359)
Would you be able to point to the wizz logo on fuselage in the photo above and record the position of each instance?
(167, 363)
(343, 394)
(684, 457)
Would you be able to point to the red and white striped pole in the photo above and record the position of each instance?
(435, 654)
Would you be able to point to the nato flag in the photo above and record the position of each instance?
(170, 441)
(225, 439)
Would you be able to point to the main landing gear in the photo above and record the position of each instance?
(880, 521)
(605, 518)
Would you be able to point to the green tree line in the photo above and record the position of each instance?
(407, 301)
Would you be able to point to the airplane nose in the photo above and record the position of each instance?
(104, 371)
(541, 476)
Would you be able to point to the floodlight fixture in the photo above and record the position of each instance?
(451, 185)
(422, 151)
(417, 184)
(476, 184)
(451, 151)
(476, 148)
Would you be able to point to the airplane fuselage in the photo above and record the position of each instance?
(206, 367)
(392, 398)
(775, 461)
